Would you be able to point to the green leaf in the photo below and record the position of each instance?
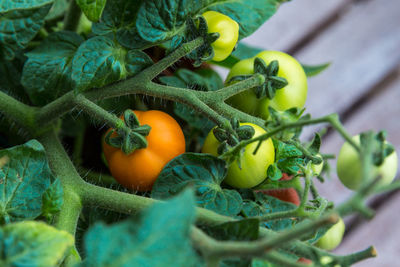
(20, 21)
(314, 70)
(159, 20)
(24, 180)
(162, 229)
(92, 8)
(100, 61)
(47, 72)
(249, 14)
(52, 199)
(274, 173)
(243, 230)
(33, 243)
(205, 173)
(119, 19)
(265, 204)
(57, 9)
(243, 51)
(284, 150)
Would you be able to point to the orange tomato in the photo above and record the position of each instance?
(140, 169)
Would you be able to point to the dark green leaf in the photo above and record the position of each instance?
(290, 165)
(249, 14)
(119, 17)
(47, 72)
(314, 70)
(284, 150)
(52, 199)
(205, 173)
(23, 181)
(162, 228)
(159, 20)
(20, 21)
(243, 230)
(33, 243)
(100, 61)
(315, 144)
(92, 8)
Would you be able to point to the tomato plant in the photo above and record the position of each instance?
(294, 94)
(349, 167)
(140, 169)
(333, 237)
(253, 167)
(68, 67)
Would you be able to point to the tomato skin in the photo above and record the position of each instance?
(332, 238)
(140, 169)
(228, 30)
(284, 194)
(254, 167)
(292, 95)
(304, 261)
(349, 167)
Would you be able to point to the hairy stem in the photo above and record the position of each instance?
(72, 17)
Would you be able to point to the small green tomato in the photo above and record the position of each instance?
(332, 238)
(254, 168)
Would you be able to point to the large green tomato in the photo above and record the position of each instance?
(349, 167)
(332, 238)
(254, 167)
(292, 95)
(228, 30)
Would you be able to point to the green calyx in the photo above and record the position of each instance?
(130, 136)
(272, 81)
(205, 52)
(229, 138)
(382, 148)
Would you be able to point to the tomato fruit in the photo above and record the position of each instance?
(332, 238)
(349, 167)
(140, 169)
(253, 169)
(294, 94)
(304, 261)
(284, 194)
(228, 30)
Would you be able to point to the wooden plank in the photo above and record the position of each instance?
(363, 47)
(380, 113)
(382, 232)
(293, 21)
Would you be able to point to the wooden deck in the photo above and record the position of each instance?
(362, 40)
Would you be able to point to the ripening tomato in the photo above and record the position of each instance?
(228, 30)
(140, 169)
(294, 94)
(284, 194)
(349, 167)
(254, 168)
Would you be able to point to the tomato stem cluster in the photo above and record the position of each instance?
(39, 123)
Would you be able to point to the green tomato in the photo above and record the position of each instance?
(349, 167)
(317, 168)
(228, 30)
(332, 238)
(254, 167)
(292, 95)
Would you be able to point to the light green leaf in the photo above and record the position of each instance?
(23, 180)
(33, 243)
(52, 199)
(205, 173)
(147, 241)
(47, 72)
(92, 8)
(57, 9)
(19, 23)
(315, 69)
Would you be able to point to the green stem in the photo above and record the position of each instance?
(20, 113)
(233, 249)
(72, 17)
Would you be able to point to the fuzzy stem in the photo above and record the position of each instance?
(72, 17)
